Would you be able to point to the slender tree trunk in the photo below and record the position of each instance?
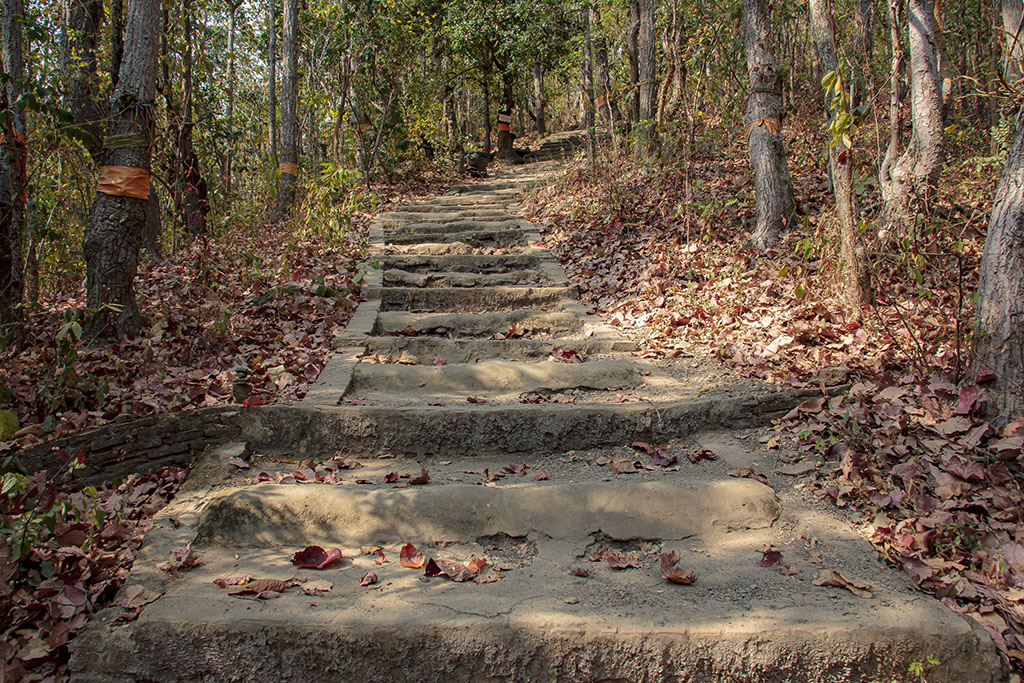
(487, 104)
(863, 46)
(648, 67)
(289, 108)
(915, 173)
(116, 40)
(80, 66)
(272, 79)
(896, 69)
(942, 61)
(505, 120)
(539, 98)
(111, 243)
(230, 112)
(13, 158)
(856, 283)
(773, 189)
(633, 48)
(588, 86)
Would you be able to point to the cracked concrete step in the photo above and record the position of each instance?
(739, 622)
(427, 228)
(474, 238)
(456, 248)
(461, 263)
(478, 299)
(419, 215)
(472, 350)
(424, 383)
(402, 278)
(530, 323)
(465, 429)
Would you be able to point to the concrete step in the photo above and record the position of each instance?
(526, 323)
(423, 384)
(462, 263)
(474, 238)
(419, 213)
(461, 428)
(461, 225)
(402, 278)
(455, 248)
(463, 299)
(737, 622)
(471, 350)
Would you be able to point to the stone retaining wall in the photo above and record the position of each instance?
(119, 448)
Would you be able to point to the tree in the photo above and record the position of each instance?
(118, 214)
(647, 69)
(13, 153)
(289, 165)
(914, 174)
(773, 189)
(999, 315)
(843, 117)
(272, 78)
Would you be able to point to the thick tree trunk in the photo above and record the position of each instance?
(999, 333)
(272, 79)
(13, 159)
(539, 98)
(915, 173)
(632, 47)
(856, 283)
(648, 71)
(1013, 30)
(289, 108)
(773, 189)
(116, 222)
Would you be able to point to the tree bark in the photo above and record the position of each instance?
(540, 100)
(588, 85)
(80, 66)
(116, 40)
(915, 173)
(229, 114)
(863, 46)
(1013, 31)
(999, 324)
(897, 67)
(648, 73)
(289, 108)
(773, 189)
(112, 235)
(13, 158)
(632, 47)
(856, 283)
(505, 119)
(272, 79)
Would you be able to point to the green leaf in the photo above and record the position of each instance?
(8, 424)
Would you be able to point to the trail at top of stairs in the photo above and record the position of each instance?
(473, 364)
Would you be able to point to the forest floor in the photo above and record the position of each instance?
(906, 451)
(658, 253)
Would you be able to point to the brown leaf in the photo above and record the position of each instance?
(410, 557)
(830, 577)
(258, 587)
(669, 570)
(368, 579)
(744, 472)
(580, 571)
(476, 399)
(420, 480)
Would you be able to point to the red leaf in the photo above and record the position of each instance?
(315, 557)
(580, 571)
(253, 400)
(420, 480)
(476, 399)
(539, 476)
(391, 477)
(368, 579)
(410, 557)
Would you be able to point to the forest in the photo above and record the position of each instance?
(811, 194)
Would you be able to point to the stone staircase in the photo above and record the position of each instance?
(464, 363)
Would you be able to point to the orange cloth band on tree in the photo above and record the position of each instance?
(124, 181)
(288, 167)
(505, 127)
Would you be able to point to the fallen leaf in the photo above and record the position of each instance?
(420, 480)
(476, 399)
(539, 476)
(410, 557)
(669, 570)
(315, 557)
(580, 571)
(239, 463)
(224, 582)
(259, 587)
(368, 579)
(830, 577)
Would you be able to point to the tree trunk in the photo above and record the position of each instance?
(116, 221)
(915, 173)
(116, 40)
(856, 283)
(588, 86)
(896, 69)
(272, 79)
(539, 98)
(942, 61)
(80, 66)
(999, 330)
(863, 46)
(289, 109)
(505, 120)
(13, 179)
(632, 47)
(487, 104)
(648, 71)
(229, 114)
(1013, 29)
(773, 189)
